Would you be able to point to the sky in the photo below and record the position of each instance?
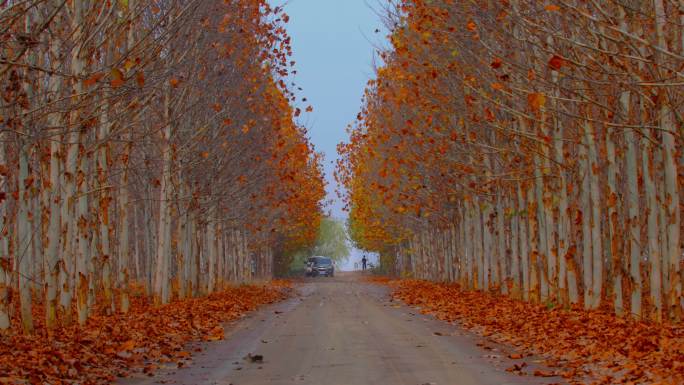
(334, 44)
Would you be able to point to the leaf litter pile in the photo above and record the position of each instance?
(581, 344)
(110, 346)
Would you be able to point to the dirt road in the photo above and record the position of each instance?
(341, 331)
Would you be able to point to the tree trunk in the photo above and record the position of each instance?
(161, 276)
(671, 203)
(535, 289)
(212, 253)
(595, 223)
(652, 232)
(501, 266)
(5, 270)
(24, 238)
(515, 256)
(124, 237)
(524, 241)
(613, 220)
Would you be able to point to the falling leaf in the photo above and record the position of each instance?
(117, 78)
(93, 79)
(536, 100)
(544, 373)
(128, 64)
(556, 62)
(140, 79)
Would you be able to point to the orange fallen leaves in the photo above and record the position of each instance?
(609, 349)
(111, 346)
(377, 279)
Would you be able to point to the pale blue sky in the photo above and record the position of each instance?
(333, 44)
(333, 47)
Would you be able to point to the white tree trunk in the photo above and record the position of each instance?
(633, 224)
(23, 239)
(652, 231)
(515, 256)
(501, 267)
(613, 203)
(124, 237)
(5, 270)
(533, 231)
(161, 275)
(542, 264)
(212, 253)
(671, 203)
(523, 242)
(104, 211)
(52, 256)
(595, 223)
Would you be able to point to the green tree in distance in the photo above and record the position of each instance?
(331, 242)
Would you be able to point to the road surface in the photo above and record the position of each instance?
(342, 331)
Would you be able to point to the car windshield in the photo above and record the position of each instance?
(320, 261)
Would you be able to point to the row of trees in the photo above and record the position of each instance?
(528, 147)
(145, 141)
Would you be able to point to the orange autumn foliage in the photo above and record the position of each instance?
(188, 168)
(490, 131)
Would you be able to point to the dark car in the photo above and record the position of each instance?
(320, 266)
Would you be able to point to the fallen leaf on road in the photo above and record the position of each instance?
(516, 367)
(216, 334)
(544, 373)
(255, 358)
